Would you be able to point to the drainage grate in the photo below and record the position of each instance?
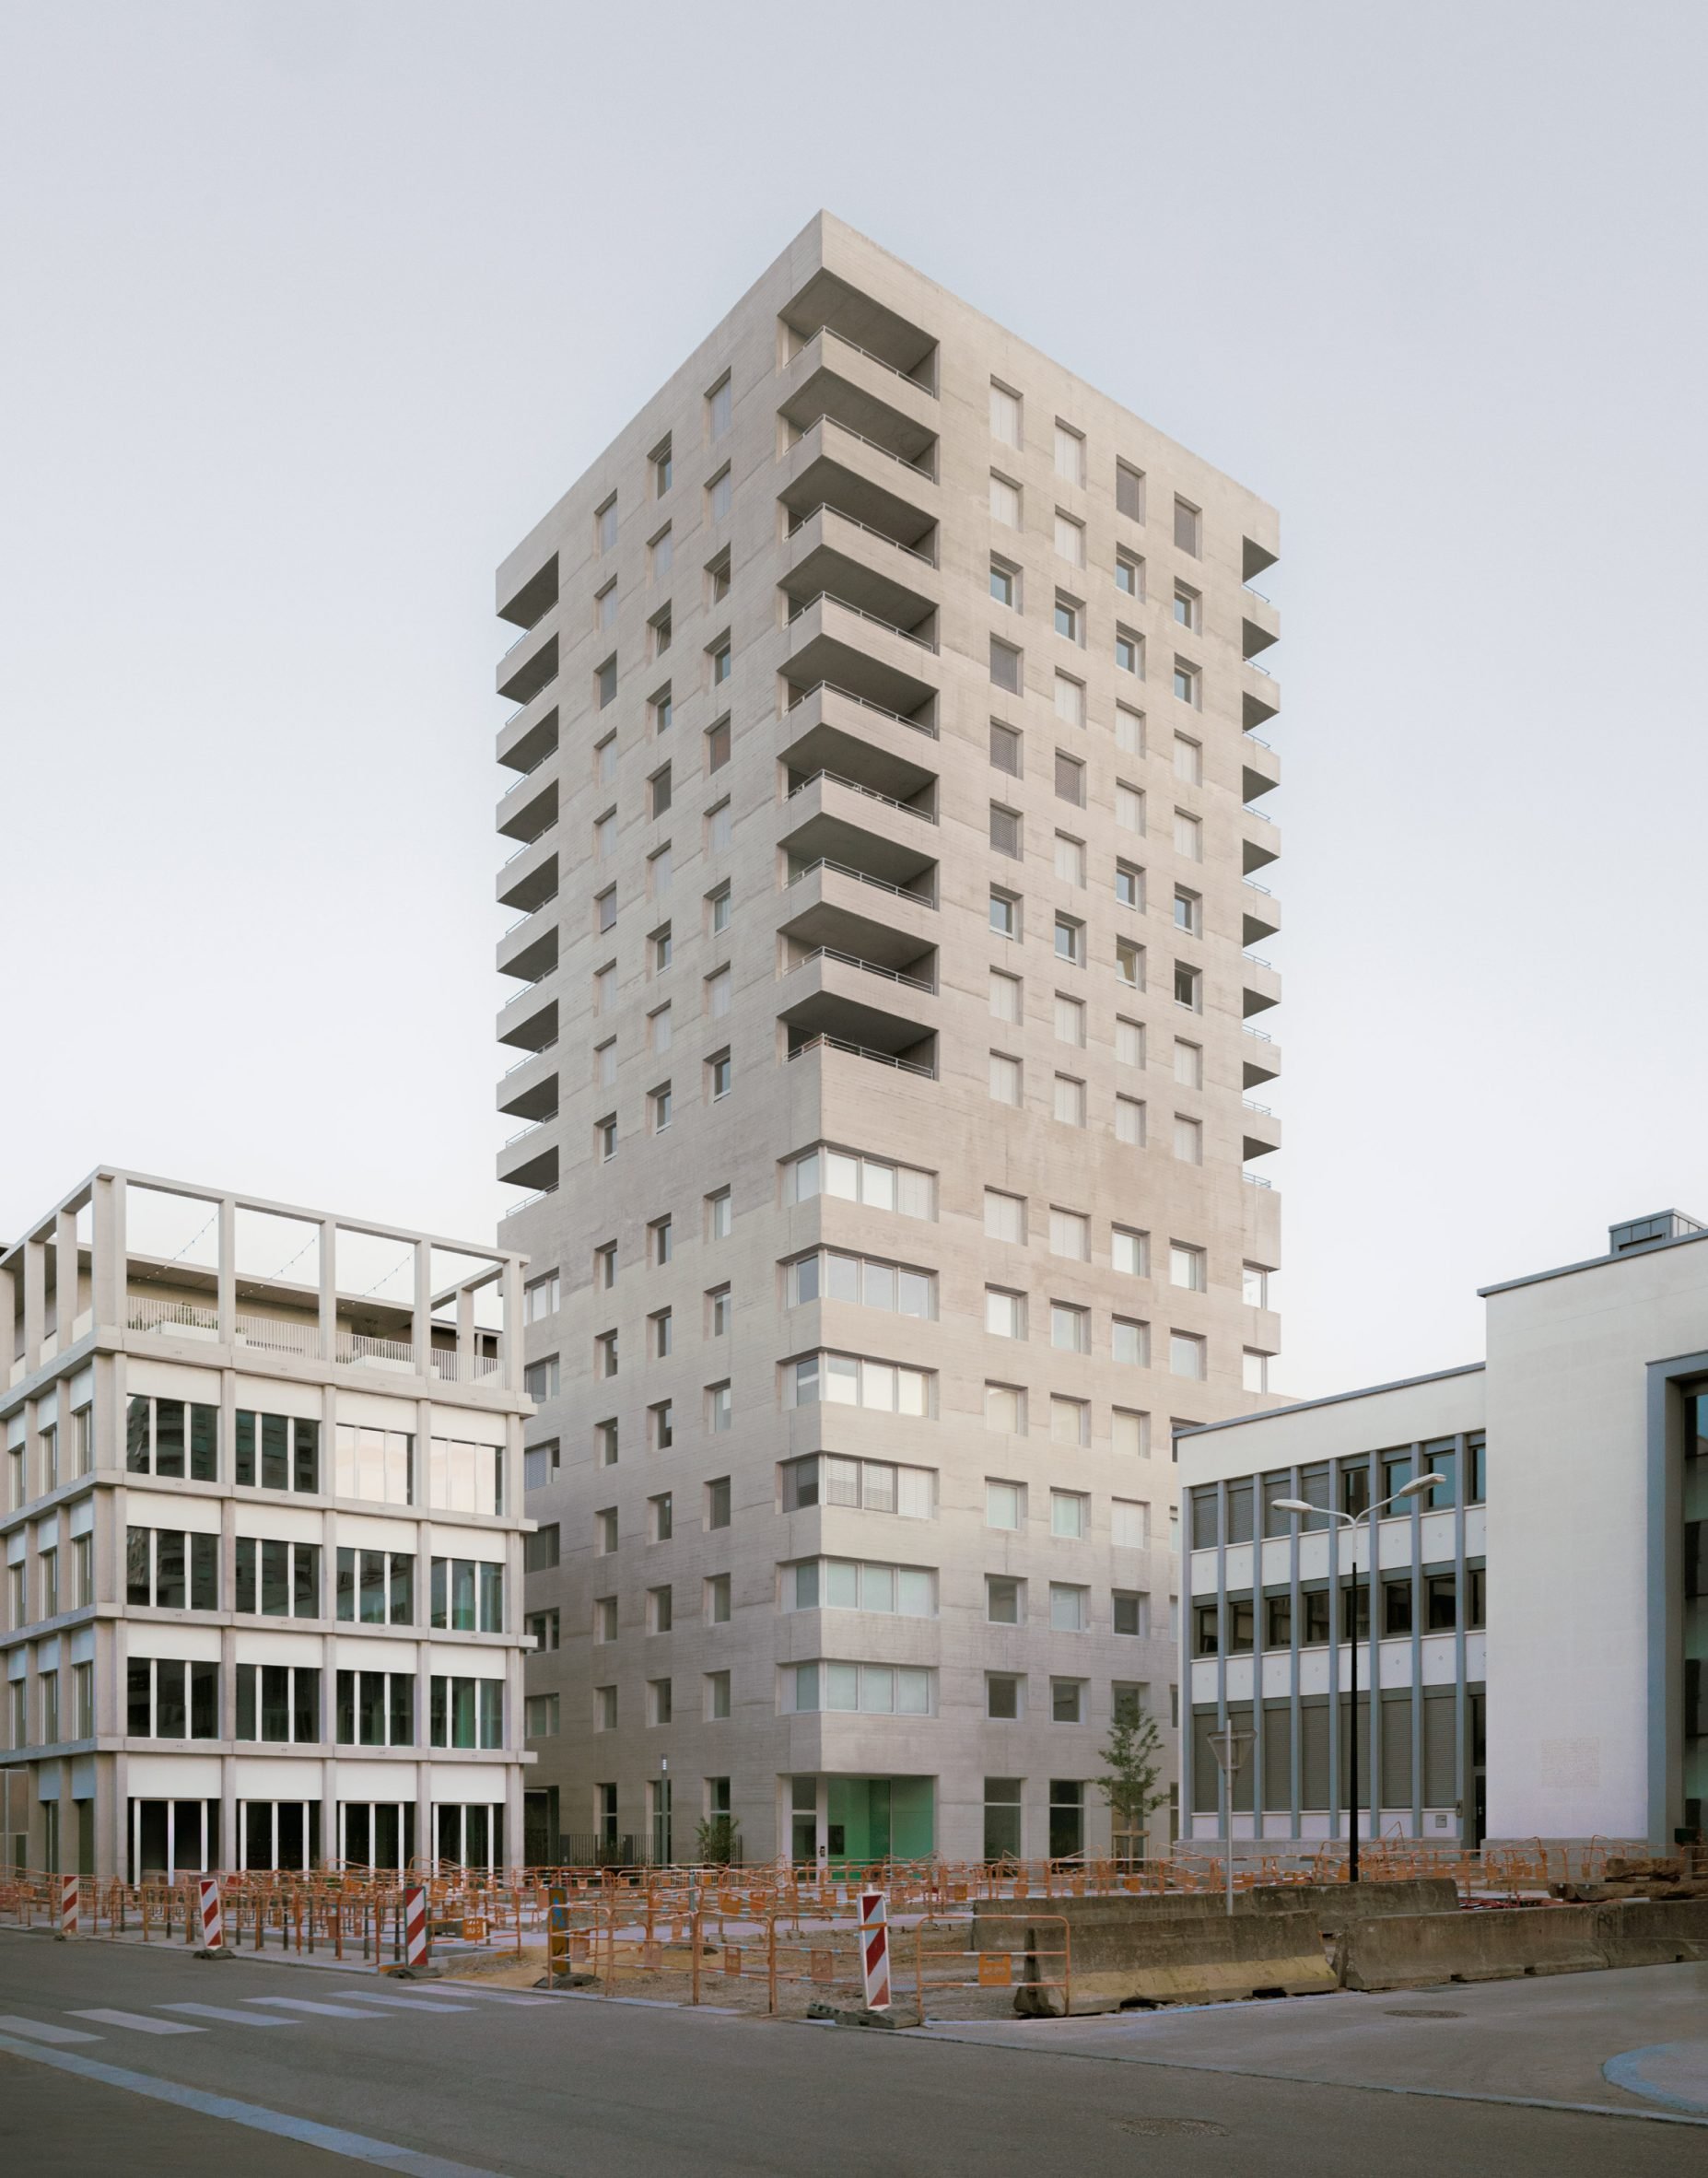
(1418, 2011)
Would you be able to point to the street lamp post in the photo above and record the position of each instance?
(1230, 1749)
(1415, 1488)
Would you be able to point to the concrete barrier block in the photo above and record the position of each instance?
(1643, 1932)
(1335, 1904)
(1409, 1951)
(1195, 1958)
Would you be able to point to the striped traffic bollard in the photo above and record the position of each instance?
(68, 1906)
(414, 1925)
(874, 1948)
(213, 1920)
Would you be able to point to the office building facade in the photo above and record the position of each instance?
(263, 1550)
(885, 857)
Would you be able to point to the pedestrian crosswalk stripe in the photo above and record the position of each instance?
(139, 2022)
(226, 2011)
(329, 2011)
(409, 2003)
(39, 2030)
(494, 1996)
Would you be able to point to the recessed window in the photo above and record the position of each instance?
(1069, 859)
(1188, 1064)
(1129, 1122)
(1128, 1042)
(1007, 993)
(1005, 583)
(1188, 607)
(1005, 1409)
(1069, 1235)
(1005, 666)
(661, 469)
(1130, 1341)
(662, 947)
(1070, 618)
(606, 606)
(716, 744)
(1129, 963)
(1189, 528)
(1188, 836)
(718, 909)
(605, 909)
(1130, 652)
(1069, 455)
(720, 492)
(1069, 1328)
(1186, 1267)
(1005, 831)
(1005, 748)
(661, 869)
(1070, 780)
(1068, 1613)
(1070, 1020)
(1186, 1354)
(1069, 1104)
(606, 1063)
(1129, 1432)
(605, 524)
(659, 1102)
(1186, 680)
(1255, 1369)
(605, 681)
(719, 1215)
(1004, 414)
(718, 828)
(1188, 760)
(1005, 1504)
(719, 409)
(604, 761)
(657, 635)
(1005, 1217)
(1005, 914)
(1004, 1601)
(605, 1138)
(718, 578)
(1070, 1421)
(1129, 807)
(1130, 884)
(1129, 1251)
(719, 993)
(661, 1242)
(1069, 700)
(1004, 501)
(1070, 940)
(718, 658)
(1254, 1285)
(719, 1076)
(662, 710)
(1188, 912)
(720, 1410)
(1129, 729)
(1129, 574)
(1188, 987)
(1005, 1079)
(1003, 1695)
(1071, 541)
(1189, 1140)
(1005, 1313)
(658, 792)
(1130, 491)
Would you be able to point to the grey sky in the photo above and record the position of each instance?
(312, 309)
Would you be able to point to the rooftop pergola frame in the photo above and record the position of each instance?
(255, 1273)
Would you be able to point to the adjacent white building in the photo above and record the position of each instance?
(264, 1551)
(1535, 1628)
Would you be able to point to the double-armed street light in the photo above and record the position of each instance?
(1415, 1488)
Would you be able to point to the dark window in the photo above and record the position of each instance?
(1242, 1619)
(718, 1502)
(169, 1444)
(1355, 1487)
(1313, 1490)
(306, 1444)
(136, 1437)
(1067, 1817)
(1475, 1578)
(136, 1588)
(1208, 1642)
(1240, 1495)
(137, 1690)
(1475, 1470)
(1442, 1600)
(1396, 1607)
(1206, 1520)
(1443, 1460)
(541, 1549)
(1346, 1610)
(1395, 1472)
(204, 1573)
(1276, 1487)
(1277, 1621)
(168, 1568)
(203, 1443)
(1316, 1601)
(275, 1452)
(169, 1714)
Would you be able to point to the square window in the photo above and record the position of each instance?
(1005, 914)
(1129, 1342)
(1129, 1251)
(1005, 666)
(1129, 1432)
(1005, 1410)
(1128, 1613)
(1005, 831)
(1186, 1356)
(1007, 993)
(1002, 1695)
(1005, 1504)
(1070, 1105)
(1067, 1603)
(1070, 940)
(1066, 1701)
(1069, 1328)
(1003, 1600)
(1069, 1235)
(1070, 1421)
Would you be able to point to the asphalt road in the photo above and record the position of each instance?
(537, 2088)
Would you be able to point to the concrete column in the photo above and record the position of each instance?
(466, 1334)
(511, 1337)
(329, 1289)
(107, 1253)
(421, 1326)
(227, 1855)
(35, 1302)
(64, 1278)
(228, 1271)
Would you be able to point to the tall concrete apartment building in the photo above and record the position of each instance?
(885, 847)
(262, 1536)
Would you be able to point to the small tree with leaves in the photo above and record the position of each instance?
(1132, 1754)
(719, 1841)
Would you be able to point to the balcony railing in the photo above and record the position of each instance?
(142, 1314)
(190, 1320)
(906, 1066)
(545, 829)
(528, 632)
(842, 340)
(859, 613)
(1252, 1105)
(865, 702)
(852, 960)
(1262, 1035)
(1256, 960)
(527, 916)
(527, 1201)
(452, 1368)
(880, 885)
(386, 1353)
(882, 536)
(870, 793)
(1258, 741)
(528, 1058)
(901, 460)
(1256, 1179)
(532, 1129)
(1263, 818)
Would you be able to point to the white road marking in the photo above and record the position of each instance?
(409, 2003)
(227, 2012)
(39, 2030)
(328, 2011)
(139, 2022)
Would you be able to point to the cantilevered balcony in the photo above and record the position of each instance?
(1260, 984)
(828, 301)
(824, 990)
(530, 875)
(528, 737)
(530, 1019)
(530, 1158)
(1260, 1131)
(1259, 624)
(530, 807)
(1260, 843)
(1260, 1058)
(832, 640)
(526, 607)
(529, 948)
(918, 1060)
(1260, 769)
(530, 663)
(1261, 914)
(832, 377)
(529, 1087)
(830, 466)
(829, 730)
(828, 818)
(827, 550)
(1260, 696)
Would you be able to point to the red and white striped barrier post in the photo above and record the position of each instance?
(414, 1925)
(874, 1948)
(213, 1920)
(68, 1906)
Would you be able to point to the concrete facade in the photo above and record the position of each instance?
(888, 785)
(1549, 1681)
(263, 1555)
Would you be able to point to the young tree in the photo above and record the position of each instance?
(718, 1838)
(1132, 1754)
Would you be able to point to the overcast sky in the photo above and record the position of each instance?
(312, 308)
